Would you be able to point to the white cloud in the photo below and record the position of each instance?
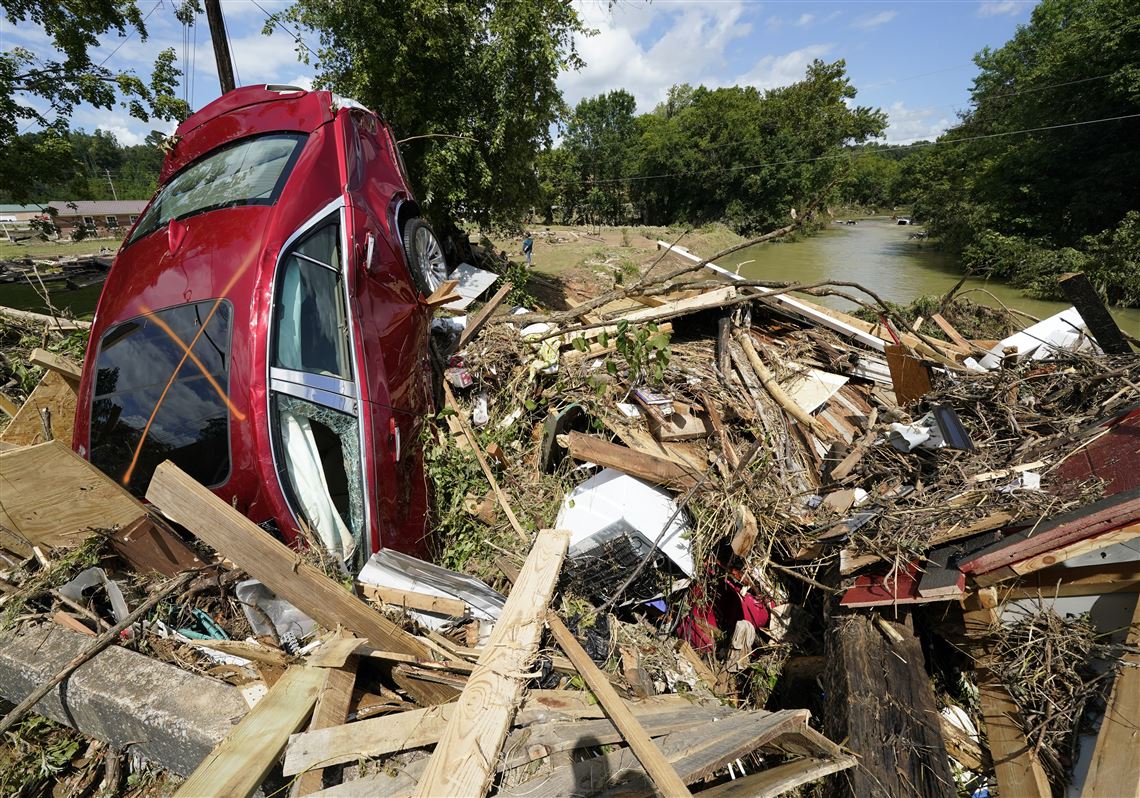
(871, 22)
(691, 50)
(906, 125)
(995, 8)
(772, 71)
(805, 20)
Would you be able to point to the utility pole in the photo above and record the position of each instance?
(111, 183)
(221, 44)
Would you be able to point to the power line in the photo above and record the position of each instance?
(846, 155)
(296, 36)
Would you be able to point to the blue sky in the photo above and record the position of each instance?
(912, 59)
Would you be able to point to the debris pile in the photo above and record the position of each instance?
(859, 559)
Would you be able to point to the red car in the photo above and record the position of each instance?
(263, 326)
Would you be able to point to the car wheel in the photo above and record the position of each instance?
(425, 256)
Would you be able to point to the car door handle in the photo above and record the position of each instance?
(394, 439)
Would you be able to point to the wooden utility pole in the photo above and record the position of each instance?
(221, 44)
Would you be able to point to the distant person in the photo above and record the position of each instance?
(528, 248)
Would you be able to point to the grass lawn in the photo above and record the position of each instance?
(50, 249)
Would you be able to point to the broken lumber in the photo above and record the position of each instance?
(53, 497)
(463, 763)
(412, 600)
(476, 322)
(64, 367)
(777, 393)
(1113, 771)
(1018, 771)
(53, 393)
(252, 549)
(238, 764)
(642, 465)
(952, 333)
(781, 779)
(443, 294)
(333, 702)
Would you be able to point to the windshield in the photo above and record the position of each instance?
(250, 172)
(161, 393)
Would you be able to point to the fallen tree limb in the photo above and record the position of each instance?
(777, 393)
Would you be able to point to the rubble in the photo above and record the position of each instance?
(806, 534)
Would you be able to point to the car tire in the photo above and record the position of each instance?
(425, 256)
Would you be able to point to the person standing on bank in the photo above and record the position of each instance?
(528, 248)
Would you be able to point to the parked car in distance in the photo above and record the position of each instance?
(263, 328)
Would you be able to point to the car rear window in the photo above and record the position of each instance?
(153, 402)
(249, 172)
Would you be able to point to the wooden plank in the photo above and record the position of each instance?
(51, 496)
(780, 779)
(332, 710)
(953, 334)
(65, 367)
(53, 393)
(642, 465)
(8, 406)
(463, 763)
(412, 600)
(910, 378)
(477, 322)
(692, 756)
(442, 295)
(1018, 771)
(1058, 555)
(1086, 299)
(1113, 772)
(240, 762)
(252, 549)
(415, 728)
(1088, 580)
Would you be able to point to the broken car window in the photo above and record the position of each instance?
(152, 403)
(321, 450)
(250, 172)
(310, 321)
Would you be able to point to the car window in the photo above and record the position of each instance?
(249, 172)
(152, 403)
(321, 451)
(310, 322)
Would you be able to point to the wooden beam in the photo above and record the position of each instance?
(255, 551)
(1087, 580)
(56, 395)
(1059, 555)
(1113, 771)
(240, 762)
(953, 334)
(64, 367)
(487, 472)
(463, 763)
(642, 465)
(453, 608)
(476, 323)
(1018, 771)
(50, 496)
(333, 703)
(1088, 303)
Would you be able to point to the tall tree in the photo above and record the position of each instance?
(482, 70)
(598, 140)
(28, 81)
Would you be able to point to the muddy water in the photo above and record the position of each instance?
(880, 255)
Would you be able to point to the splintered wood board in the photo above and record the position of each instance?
(56, 394)
(464, 760)
(50, 496)
(281, 569)
(240, 762)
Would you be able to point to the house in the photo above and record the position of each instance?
(20, 214)
(97, 217)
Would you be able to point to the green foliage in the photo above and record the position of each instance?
(735, 154)
(482, 70)
(644, 349)
(1030, 205)
(35, 751)
(75, 28)
(518, 275)
(454, 474)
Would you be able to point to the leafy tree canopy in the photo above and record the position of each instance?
(71, 77)
(482, 70)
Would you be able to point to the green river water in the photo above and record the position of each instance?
(881, 255)
(876, 253)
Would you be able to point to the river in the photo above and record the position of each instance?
(881, 255)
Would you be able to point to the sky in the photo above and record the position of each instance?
(911, 58)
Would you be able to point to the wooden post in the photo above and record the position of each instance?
(221, 45)
(1086, 300)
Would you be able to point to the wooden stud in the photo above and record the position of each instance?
(645, 466)
(443, 295)
(240, 762)
(477, 322)
(453, 608)
(65, 367)
(463, 763)
(332, 710)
